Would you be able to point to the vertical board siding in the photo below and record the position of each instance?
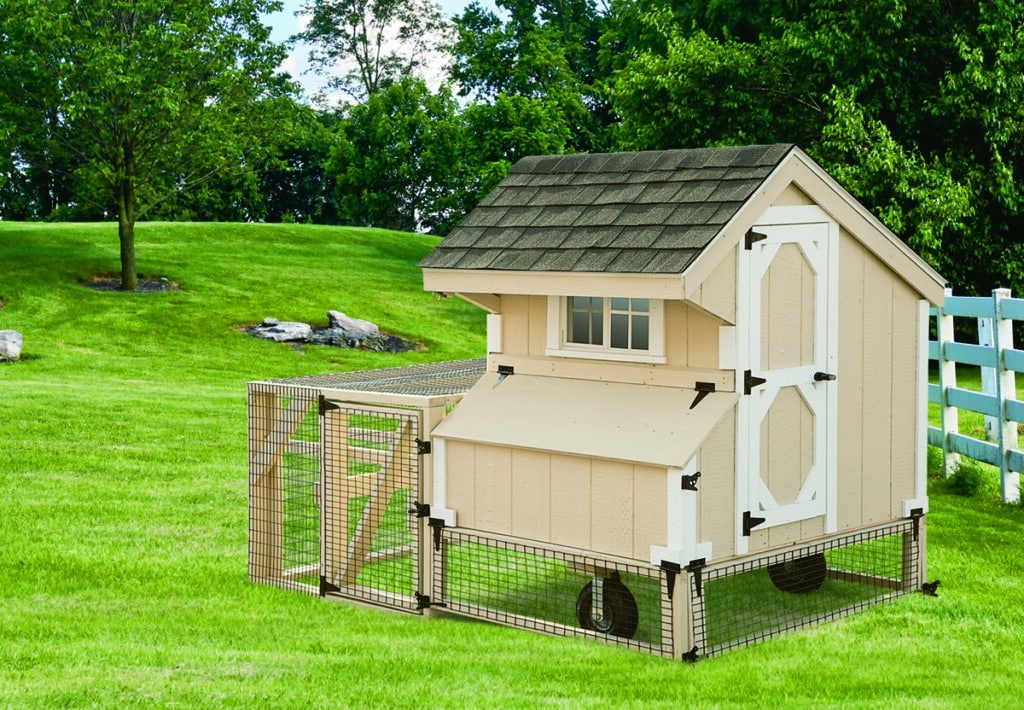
(531, 494)
(570, 501)
(876, 414)
(903, 455)
(716, 506)
(492, 498)
(460, 481)
(515, 324)
(537, 312)
(850, 381)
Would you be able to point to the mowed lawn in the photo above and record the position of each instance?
(123, 513)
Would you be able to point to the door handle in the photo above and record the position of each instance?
(824, 377)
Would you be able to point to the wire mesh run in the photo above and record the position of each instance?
(738, 604)
(553, 591)
(284, 480)
(370, 491)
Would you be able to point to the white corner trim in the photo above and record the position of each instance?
(726, 347)
(911, 503)
(493, 333)
(921, 435)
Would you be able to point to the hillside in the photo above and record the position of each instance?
(123, 512)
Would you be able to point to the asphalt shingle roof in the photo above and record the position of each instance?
(647, 212)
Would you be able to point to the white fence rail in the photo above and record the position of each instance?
(999, 363)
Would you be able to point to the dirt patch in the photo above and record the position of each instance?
(146, 284)
(2, 304)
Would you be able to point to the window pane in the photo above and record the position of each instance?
(620, 304)
(620, 330)
(579, 330)
(640, 329)
(640, 304)
(597, 328)
(579, 302)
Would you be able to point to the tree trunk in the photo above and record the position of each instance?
(125, 194)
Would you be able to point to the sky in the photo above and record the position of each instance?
(285, 24)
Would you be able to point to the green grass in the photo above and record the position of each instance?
(123, 514)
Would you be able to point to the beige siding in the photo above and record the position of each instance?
(515, 324)
(792, 196)
(594, 504)
(716, 501)
(717, 293)
(877, 389)
(538, 314)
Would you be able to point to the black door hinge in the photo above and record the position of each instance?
(750, 381)
(752, 238)
(689, 483)
(437, 525)
(420, 510)
(750, 522)
(326, 587)
(423, 601)
(422, 447)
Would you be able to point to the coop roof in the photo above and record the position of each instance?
(653, 223)
(648, 212)
(609, 420)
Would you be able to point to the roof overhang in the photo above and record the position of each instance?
(800, 170)
(634, 423)
(552, 283)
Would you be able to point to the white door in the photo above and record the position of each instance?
(787, 370)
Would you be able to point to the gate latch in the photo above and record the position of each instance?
(422, 447)
(421, 510)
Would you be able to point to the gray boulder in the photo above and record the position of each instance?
(10, 345)
(355, 328)
(282, 331)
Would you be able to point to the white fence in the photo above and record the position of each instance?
(999, 363)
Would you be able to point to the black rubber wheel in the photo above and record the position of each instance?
(618, 616)
(801, 575)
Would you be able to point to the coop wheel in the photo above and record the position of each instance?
(617, 615)
(800, 575)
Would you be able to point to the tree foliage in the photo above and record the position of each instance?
(364, 46)
(145, 98)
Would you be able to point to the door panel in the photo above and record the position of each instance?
(786, 429)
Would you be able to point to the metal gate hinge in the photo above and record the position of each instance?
(689, 483)
(437, 525)
(326, 587)
(423, 601)
(326, 406)
(694, 568)
(421, 510)
(750, 522)
(750, 381)
(422, 447)
(752, 238)
(671, 569)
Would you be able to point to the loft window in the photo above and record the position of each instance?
(601, 327)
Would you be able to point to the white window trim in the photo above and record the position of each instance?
(558, 347)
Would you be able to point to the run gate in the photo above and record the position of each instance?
(338, 470)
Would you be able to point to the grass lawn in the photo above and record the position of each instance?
(123, 514)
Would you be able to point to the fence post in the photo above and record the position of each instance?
(1006, 388)
(947, 379)
(989, 377)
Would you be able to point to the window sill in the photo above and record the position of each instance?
(608, 355)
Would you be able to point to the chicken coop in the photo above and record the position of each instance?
(701, 421)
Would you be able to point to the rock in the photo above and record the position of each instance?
(282, 331)
(356, 328)
(270, 322)
(10, 345)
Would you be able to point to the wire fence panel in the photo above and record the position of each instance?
(738, 604)
(284, 480)
(370, 490)
(558, 592)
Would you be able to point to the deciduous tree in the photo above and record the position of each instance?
(150, 97)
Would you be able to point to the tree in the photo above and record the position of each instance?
(400, 160)
(364, 46)
(150, 97)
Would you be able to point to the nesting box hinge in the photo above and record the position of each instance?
(752, 238)
(694, 568)
(420, 510)
(690, 482)
(691, 655)
(326, 406)
(750, 381)
(915, 517)
(437, 525)
(703, 390)
(326, 587)
(422, 447)
(671, 569)
(503, 372)
(750, 522)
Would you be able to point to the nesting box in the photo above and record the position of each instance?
(702, 418)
